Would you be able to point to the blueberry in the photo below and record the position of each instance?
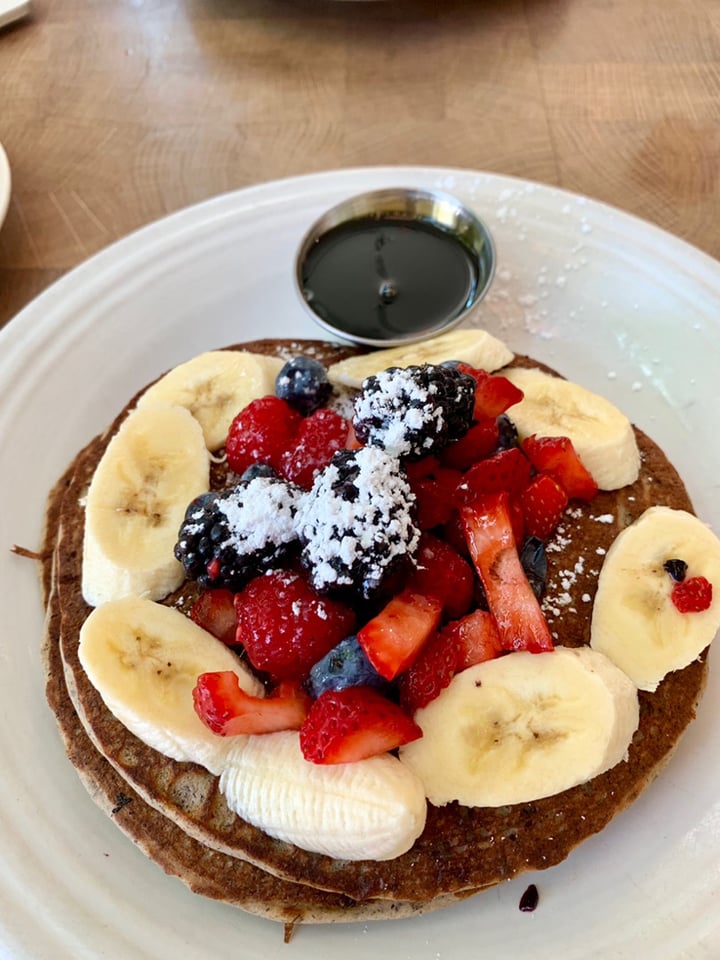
(257, 470)
(303, 383)
(534, 562)
(345, 666)
(677, 569)
(507, 433)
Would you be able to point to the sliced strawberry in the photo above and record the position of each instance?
(393, 638)
(441, 572)
(459, 645)
(432, 505)
(344, 726)
(543, 503)
(692, 595)
(421, 469)
(517, 520)
(261, 433)
(430, 673)
(513, 604)
(214, 611)
(494, 394)
(480, 441)
(227, 710)
(434, 495)
(319, 436)
(286, 627)
(505, 470)
(558, 457)
(477, 639)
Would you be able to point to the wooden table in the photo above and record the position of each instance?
(116, 112)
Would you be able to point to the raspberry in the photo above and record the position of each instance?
(320, 435)
(261, 433)
(286, 627)
(692, 595)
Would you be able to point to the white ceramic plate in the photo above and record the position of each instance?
(5, 183)
(606, 299)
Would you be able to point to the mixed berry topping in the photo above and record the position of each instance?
(360, 566)
(230, 536)
(357, 525)
(415, 411)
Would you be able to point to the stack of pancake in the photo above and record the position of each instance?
(177, 815)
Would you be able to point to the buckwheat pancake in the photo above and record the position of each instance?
(461, 849)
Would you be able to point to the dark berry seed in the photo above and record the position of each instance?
(677, 569)
(257, 470)
(534, 562)
(303, 383)
(530, 899)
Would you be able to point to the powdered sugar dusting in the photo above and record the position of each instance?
(261, 512)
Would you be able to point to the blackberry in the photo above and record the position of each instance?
(304, 384)
(415, 411)
(357, 525)
(230, 536)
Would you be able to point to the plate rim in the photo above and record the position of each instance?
(206, 214)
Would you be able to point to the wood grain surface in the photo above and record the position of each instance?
(116, 112)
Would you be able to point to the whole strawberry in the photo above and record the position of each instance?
(286, 627)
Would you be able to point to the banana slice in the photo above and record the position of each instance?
(144, 659)
(152, 468)
(214, 387)
(634, 622)
(373, 809)
(601, 434)
(522, 727)
(475, 347)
